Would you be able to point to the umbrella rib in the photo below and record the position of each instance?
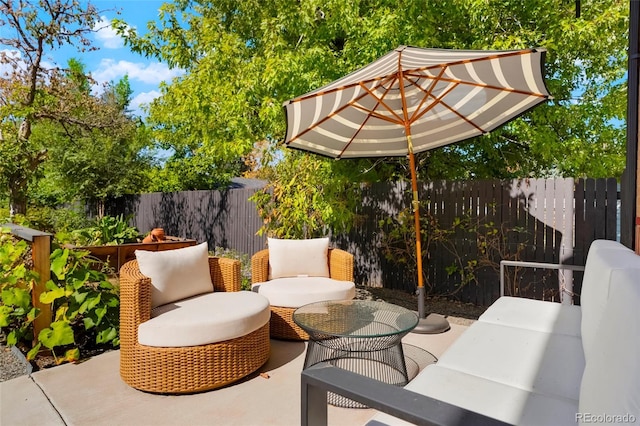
(345, 87)
(438, 100)
(371, 112)
(381, 102)
(463, 118)
(428, 93)
(352, 103)
(486, 86)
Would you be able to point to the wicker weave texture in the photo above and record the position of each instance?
(281, 324)
(186, 369)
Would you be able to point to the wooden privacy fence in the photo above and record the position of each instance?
(222, 218)
(555, 221)
(543, 220)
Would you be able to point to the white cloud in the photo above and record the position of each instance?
(143, 99)
(107, 35)
(149, 73)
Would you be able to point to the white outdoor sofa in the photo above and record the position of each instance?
(529, 362)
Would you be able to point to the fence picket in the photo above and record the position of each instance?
(561, 217)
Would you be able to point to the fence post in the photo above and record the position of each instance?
(41, 253)
(41, 250)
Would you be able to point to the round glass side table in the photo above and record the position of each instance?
(360, 336)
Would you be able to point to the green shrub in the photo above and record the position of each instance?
(68, 219)
(49, 219)
(85, 304)
(86, 307)
(16, 282)
(108, 230)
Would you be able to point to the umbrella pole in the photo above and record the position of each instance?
(432, 323)
(416, 219)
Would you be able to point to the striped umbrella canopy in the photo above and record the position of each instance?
(412, 100)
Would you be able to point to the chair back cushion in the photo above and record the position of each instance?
(293, 258)
(176, 274)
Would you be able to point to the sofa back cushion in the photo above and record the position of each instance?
(292, 258)
(176, 274)
(603, 258)
(611, 380)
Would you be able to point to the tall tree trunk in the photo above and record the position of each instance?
(17, 202)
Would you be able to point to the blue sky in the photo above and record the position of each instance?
(113, 60)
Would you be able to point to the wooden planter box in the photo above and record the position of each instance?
(118, 255)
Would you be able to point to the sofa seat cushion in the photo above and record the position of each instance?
(547, 317)
(298, 291)
(205, 319)
(545, 363)
(496, 400)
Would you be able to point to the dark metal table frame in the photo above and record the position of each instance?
(359, 336)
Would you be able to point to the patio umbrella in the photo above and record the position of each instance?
(412, 100)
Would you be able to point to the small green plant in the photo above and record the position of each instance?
(108, 230)
(491, 241)
(16, 282)
(85, 305)
(399, 241)
(245, 263)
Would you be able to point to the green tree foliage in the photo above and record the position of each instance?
(91, 164)
(47, 111)
(306, 198)
(28, 88)
(242, 60)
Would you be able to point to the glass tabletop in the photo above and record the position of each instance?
(355, 318)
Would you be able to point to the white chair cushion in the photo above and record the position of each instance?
(176, 274)
(550, 364)
(603, 258)
(547, 317)
(204, 319)
(496, 400)
(611, 380)
(290, 258)
(299, 291)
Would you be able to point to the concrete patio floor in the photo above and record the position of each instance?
(92, 393)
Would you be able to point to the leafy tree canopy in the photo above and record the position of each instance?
(91, 164)
(242, 60)
(50, 123)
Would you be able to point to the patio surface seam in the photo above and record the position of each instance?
(48, 399)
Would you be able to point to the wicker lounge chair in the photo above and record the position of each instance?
(281, 323)
(184, 369)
